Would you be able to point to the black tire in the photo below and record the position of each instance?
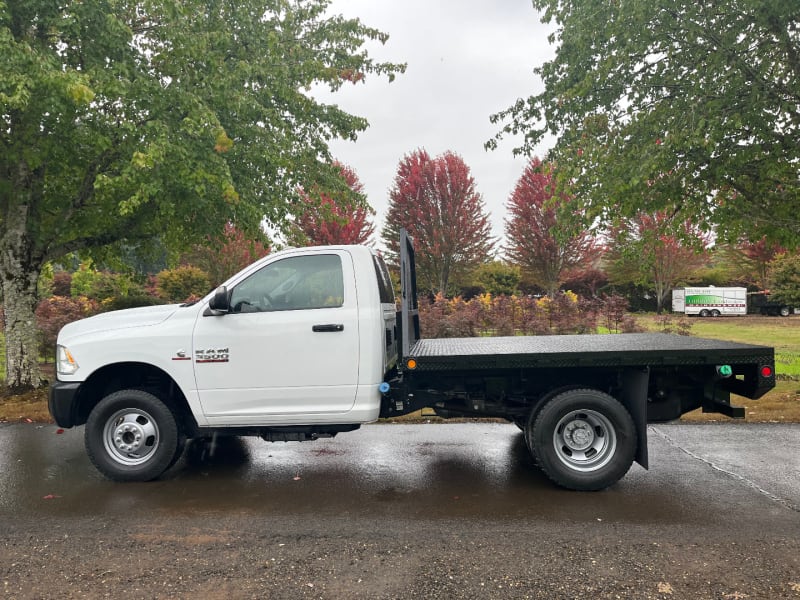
(131, 435)
(527, 424)
(785, 311)
(704, 313)
(715, 313)
(583, 439)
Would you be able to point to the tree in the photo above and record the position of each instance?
(222, 258)
(657, 251)
(785, 276)
(650, 98)
(497, 278)
(331, 220)
(436, 201)
(123, 122)
(542, 238)
(758, 256)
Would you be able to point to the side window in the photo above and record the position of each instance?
(295, 283)
(384, 281)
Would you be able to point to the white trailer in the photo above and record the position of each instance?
(710, 301)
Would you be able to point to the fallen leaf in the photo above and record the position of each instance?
(59, 431)
(50, 497)
(664, 588)
(28, 421)
(736, 596)
(297, 477)
(795, 586)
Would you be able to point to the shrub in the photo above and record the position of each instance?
(101, 286)
(445, 318)
(668, 323)
(510, 315)
(55, 312)
(133, 301)
(62, 283)
(498, 278)
(178, 285)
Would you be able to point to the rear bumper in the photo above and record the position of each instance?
(61, 402)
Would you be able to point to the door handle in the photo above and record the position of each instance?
(329, 327)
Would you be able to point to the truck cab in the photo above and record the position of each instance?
(294, 346)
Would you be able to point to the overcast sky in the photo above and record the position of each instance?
(466, 60)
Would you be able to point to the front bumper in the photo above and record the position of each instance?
(61, 402)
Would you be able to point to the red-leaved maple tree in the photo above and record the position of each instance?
(757, 256)
(330, 221)
(548, 246)
(436, 201)
(657, 250)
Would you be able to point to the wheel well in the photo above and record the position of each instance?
(131, 375)
(539, 402)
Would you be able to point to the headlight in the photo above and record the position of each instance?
(65, 362)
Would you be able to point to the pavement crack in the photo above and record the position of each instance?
(752, 484)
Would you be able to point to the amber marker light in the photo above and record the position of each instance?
(411, 364)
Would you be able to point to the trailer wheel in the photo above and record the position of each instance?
(716, 313)
(131, 435)
(584, 439)
(704, 313)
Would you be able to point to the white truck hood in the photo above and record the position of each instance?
(145, 316)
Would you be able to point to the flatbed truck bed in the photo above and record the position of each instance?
(555, 351)
(582, 401)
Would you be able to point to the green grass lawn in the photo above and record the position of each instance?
(782, 333)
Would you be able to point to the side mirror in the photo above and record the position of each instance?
(220, 302)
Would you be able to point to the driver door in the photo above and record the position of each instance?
(289, 346)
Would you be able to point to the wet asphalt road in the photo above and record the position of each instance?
(450, 511)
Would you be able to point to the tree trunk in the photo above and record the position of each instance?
(20, 266)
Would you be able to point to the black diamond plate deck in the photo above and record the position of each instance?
(631, 349)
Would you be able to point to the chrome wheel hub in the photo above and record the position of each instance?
(131, 436)
(584, 440)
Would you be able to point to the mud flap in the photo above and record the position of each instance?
(634, 396)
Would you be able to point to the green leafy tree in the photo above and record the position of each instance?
(125, 121)
(498, 278)
(785, 277)
(654, 100)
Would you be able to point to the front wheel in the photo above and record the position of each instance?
(584, 439)
(131, 435)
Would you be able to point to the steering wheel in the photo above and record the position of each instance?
(266, 301)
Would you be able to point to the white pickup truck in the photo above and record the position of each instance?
(307, 343)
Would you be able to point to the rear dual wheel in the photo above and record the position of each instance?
(583, 439)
